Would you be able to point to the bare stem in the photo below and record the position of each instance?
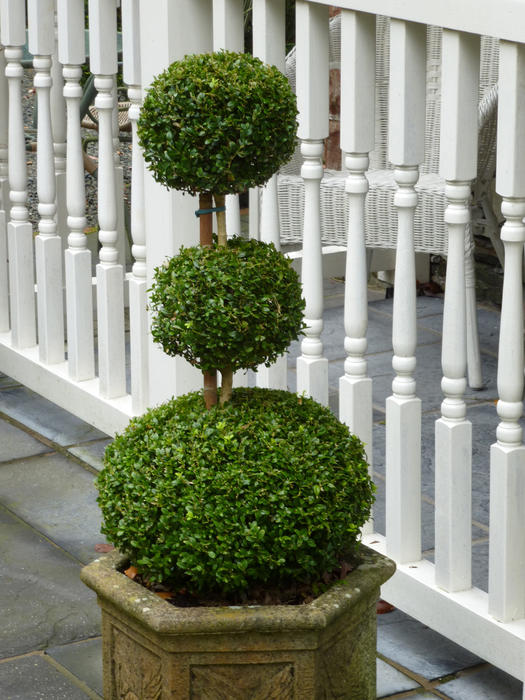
(227, 384)
(221, 219)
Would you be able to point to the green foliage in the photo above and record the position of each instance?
(217, 122)
(269, 489)
(236, 306)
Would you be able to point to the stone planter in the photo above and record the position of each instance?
(153, 650)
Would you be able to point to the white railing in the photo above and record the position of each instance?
(86, 369)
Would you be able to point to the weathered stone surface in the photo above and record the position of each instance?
(325, 649)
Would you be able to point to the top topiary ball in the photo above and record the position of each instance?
(217, 122)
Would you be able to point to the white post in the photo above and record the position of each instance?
(358, 38)
(138, 315)
(458, 161)
(403, 408)
(19, 229)
(507, 455)
(58, 122)
(312, 99)
(269, 45)
(168, 31)
(79, 298)
(48, 247)
(228, 33)
(119, 180)
(110, 282)
(4, 198)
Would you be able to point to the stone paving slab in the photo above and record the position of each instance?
(91, 452)
(58, 498)
(83, 660)
(391, 681)
(42, 599)
(46, 418)
(33, 678)
(15, 443)
(488, 683)
(418, 648)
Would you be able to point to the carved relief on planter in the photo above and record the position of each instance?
(242, 682)
(136, 671)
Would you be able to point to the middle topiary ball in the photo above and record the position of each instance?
(235, 306)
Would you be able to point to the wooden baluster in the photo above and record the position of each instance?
(507, 455)
(138, 315)
(110, 281)
(228, 33)
(119, 179)
(79, 298)
(48, 247)
(269, 45)
(358, 35)
(19, 229)
(59, 126)
(403, 408)
(458, 163)
(4, 197)
(312, 99)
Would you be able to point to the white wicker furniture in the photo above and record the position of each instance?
(430, 233)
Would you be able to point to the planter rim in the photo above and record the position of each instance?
(103, 576)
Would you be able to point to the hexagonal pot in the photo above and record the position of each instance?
(153, 650)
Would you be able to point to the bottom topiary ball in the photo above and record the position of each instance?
(269, 489)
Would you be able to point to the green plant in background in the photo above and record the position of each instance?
(270, 489)
(228, 308)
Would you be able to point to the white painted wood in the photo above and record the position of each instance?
(48, 247)
(507, 487)
(122, 243)
(59, 125)
(502, 18)
(20, 233)
(269, 31)
(138, 315)
(79, 298)
(312, 99)
(357, 139)
(458, 161)
(83, 399)
(4, 198)
(228, 25)
(406, 119)
(462, 616)
(12, 23)
(311, 22)
(169, 32)
(103, 37)
(110, 280)
(403, 408)
(254, 213)
(70, 18)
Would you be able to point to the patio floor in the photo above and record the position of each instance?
(49, 525)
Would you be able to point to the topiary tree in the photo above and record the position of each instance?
(216, 124)
(270, 489)
(227, 307)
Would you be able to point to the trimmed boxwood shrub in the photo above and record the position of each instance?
(217, 122)
(236, 306)
(270, 488)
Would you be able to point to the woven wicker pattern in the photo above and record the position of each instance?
(381, 218)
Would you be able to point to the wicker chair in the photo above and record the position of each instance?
(430, 232)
